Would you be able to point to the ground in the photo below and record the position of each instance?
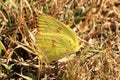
(95, 22)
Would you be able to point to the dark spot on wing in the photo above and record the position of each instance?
(66, 50)
(53, 43)
(59, 29)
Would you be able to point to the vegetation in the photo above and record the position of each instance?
(96, 22)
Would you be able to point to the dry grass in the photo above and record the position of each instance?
(95, 21)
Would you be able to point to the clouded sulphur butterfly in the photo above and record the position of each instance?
(55, 39)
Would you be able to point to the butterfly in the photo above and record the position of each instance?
(55, 39)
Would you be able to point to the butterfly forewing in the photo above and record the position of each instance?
(51, 25)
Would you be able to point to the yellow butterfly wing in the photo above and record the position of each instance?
(55, 39)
